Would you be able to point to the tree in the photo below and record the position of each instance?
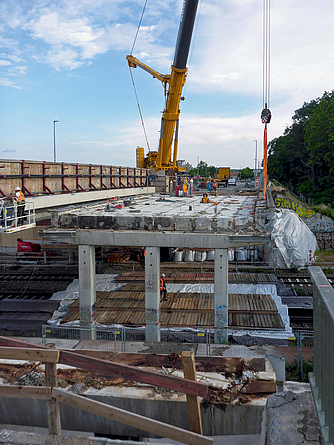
(303, 157)
(246, 173)
(202, 168)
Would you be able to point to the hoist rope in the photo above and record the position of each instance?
(266, 53)
(140, 113)
(132, 79)
(266, 115)
(139, 24)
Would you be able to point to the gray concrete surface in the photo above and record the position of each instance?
(292, 419)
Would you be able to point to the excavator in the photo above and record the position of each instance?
(173, 83)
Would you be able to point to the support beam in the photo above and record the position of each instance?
(221, 296)
(52, 406)
(87, 291)
(152, 293)
(194, 409)
(138, 238)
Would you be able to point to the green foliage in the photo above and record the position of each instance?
(325, 210)
(203, 169)
(292, 374)
(303, 158)
(246, 173)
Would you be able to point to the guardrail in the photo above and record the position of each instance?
(321, 379)
(15, 217)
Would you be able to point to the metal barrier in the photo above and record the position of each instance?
(123, 339)
(321, 380)
(14, 217)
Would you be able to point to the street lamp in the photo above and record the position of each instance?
(54, 141)
(255, 155)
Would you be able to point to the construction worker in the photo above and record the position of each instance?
(163, 289)
(142, 256)
(205, 197)
(185, 188)
(215, 187)
(21, 202)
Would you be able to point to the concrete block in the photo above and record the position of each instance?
(202, 224)
(148, 223)
(86, 222)
(163, 223)
(184, 224)
(292, 419)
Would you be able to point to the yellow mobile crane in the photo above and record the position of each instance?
(173, 84)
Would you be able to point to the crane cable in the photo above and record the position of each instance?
(132, 79)
(266, 114)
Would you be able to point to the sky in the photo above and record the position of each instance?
(65, 60)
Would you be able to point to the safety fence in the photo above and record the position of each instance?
(41, 177)
(14, 217)
(321, 379)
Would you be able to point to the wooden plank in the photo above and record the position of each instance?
(25, 392)
(52, 406)
(194, 411)
(131, 419)
(132, 373)
(32, 355)
(259, 387)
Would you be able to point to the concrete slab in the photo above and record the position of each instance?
(229, 213)
(292, 419)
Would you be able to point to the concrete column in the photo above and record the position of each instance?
(152, 293)
(87, 292)
(221, 296)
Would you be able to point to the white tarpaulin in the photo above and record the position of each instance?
(292, 242)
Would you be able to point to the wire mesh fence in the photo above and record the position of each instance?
(122, 339)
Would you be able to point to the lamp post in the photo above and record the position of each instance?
(255, 155)
(54, 141)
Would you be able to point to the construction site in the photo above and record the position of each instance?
(122, 347)
(145, 304)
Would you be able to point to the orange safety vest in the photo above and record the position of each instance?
(162, 284)
(214, 185)
(21, 198)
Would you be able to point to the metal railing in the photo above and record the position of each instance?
(14, 216)
(321, 380)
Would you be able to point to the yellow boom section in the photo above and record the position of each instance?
(173, 83)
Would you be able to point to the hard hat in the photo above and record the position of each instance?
(163, 275)
(17, 188)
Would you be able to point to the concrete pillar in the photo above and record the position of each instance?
(152, 293)
(87, 292)
(221, 296)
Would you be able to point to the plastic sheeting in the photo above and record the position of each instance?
(245, 288)
(104, 282)
(292, 243)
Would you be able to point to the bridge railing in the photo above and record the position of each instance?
(322, 382)
(49, 178)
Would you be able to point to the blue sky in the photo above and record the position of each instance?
(65, 61)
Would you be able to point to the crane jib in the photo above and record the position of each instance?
(185, 34)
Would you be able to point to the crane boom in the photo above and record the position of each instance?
(174, 83)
